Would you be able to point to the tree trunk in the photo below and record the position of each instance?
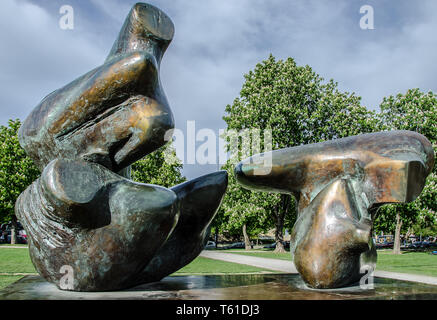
(14, 230)
(397, 242)
(246, 238)
(280, 212)
(216, 237)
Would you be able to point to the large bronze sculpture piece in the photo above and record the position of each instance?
(84, 214)
(339, 186)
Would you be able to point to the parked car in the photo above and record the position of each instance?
(6, 231)
(384, 245)
(210, 245)
(270, 246)
(273, 245)
(237, 245)
(21, 239)
(22, 236)
(418, 245)
(3, 237)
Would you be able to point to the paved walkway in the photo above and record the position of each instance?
(265, 263)
(406, 277)
(288, 266)
(17, 274)
(14, 247)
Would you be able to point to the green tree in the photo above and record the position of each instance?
(17, 172)
(161, 167)
(247, 217)
(298, 107)
(414, 111)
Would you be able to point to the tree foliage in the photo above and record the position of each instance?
(161, 167)
(414, 111)
(254, 211)
(17, 170)
(299, 108)
(297, 105)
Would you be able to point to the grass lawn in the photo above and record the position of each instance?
(12, 261)
(262, 254)
(202, 265)
(408, 262)
(17, 260)
(421, 263)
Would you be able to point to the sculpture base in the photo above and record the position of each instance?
(224, 287)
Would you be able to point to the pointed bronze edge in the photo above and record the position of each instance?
(146, 28)
(389, 158)
(199, 201)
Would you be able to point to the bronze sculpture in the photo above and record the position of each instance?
(111, 232)
(339, 186)
(85, 213)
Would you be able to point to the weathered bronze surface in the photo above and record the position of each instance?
(111, 233)
(104, 226)
(339, 185)
(114, 114)
(191, 232)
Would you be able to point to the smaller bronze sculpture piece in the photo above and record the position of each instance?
(110, 232)
(339, 185)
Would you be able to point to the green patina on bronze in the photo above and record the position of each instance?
(339, 185)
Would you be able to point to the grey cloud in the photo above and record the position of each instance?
(216, 42)
(37, 57)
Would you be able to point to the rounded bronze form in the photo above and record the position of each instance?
(339, 184)
(108, 232)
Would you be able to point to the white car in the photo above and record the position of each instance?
(210, 245)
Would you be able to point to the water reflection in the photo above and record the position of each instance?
(205, 282)
(226, 287)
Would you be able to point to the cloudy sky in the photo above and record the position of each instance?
(215, 43)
